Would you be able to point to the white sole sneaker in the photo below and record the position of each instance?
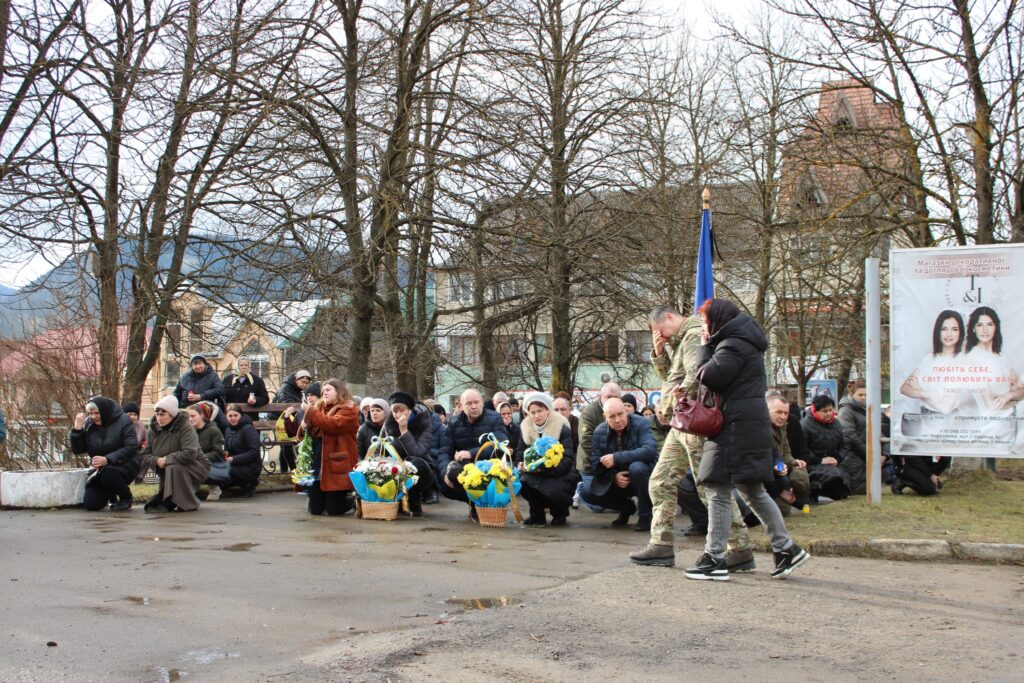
(718, 575)
(214, 494)
(798, 561)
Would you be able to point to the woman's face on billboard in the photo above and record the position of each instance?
(950, 332)
(985, 329)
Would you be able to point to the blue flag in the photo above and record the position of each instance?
(705, 277)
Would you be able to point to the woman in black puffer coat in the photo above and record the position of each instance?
(826, 448)
(242, 442)
(731, 363)
(107, 436)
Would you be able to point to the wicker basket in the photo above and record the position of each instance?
(493, 517)
(385, 511)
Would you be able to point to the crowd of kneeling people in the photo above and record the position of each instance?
(767, 460)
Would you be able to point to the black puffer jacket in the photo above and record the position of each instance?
(364, 437)
(207, 384)
(289, 391)
(732, 363)
(242, 442)
(822, 440)
(114, 438)
(415, 443)
(854, 419)
(462, 435)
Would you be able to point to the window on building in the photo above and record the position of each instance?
(602, 347)
(638, 346)
(255, 352)
(462, 350)
(542, 348)
(461, 286)
(173, 334)
(197, 331)
(172, 373)
(511, 349)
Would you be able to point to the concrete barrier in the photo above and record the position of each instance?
(42, 488)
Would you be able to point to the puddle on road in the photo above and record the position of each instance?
(483, 603)
(240, 547)
(433, 528)
(138, 600)
(170, 675)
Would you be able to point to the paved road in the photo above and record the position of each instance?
(257, 590)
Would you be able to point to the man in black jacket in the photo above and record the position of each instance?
(622, 456)
(461, 441)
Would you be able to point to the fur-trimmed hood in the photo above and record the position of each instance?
(553, 428)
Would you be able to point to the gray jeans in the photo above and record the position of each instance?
(720, 516)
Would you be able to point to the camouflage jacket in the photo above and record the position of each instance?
(677, 364)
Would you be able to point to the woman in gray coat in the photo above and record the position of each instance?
(172, 448)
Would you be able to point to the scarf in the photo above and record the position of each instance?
(239, 378)
(819, 419)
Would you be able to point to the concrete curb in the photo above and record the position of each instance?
(927, 550)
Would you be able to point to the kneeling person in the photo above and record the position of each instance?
(172, 449)
(550, 487)
(622, 455)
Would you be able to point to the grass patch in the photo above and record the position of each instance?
(975, 506)
(144, 492)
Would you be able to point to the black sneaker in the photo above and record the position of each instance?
(643, 524)
(695, 530)
(122, 505)
(430, 498)
(535, 522)
(788, 560)
(897, 486)
(559, 521)
(708, 569)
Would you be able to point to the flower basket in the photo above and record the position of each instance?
(385, 511)
(492, 517)
(492, 484)
(382, 480)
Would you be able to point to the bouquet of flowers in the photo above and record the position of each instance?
(302, 475)
(494, 482)
(383, 476)
(545, 452)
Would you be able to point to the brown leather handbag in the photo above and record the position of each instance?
(701, 417)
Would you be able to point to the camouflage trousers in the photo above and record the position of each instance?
(683, 451)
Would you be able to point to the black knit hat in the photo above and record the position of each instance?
(314, 389)
(630, 399)
(130, 408)
(403, 398)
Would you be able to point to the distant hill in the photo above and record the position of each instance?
(236, 271)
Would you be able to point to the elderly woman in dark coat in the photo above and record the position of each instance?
(731, 363)
(826, 448)
(172, 449)
(107, 436)
(549, 488)
(411, 426)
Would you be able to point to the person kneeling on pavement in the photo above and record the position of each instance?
(172, 449)
(623, 453)
(461, 441)
(551, 481)
(107, 436)
(409, 423)
(242, 442)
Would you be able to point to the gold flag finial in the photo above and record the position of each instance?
(707, 198)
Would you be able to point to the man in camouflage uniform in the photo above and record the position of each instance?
(676, 340)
